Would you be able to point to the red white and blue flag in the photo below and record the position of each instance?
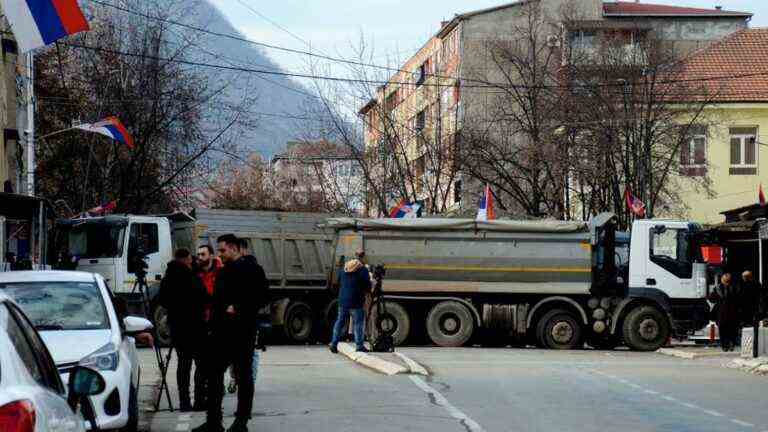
(405, 210)
(486, 210)
(761, 195)
(103, 209)
(37, 23)
(634, 204)
(111, 127)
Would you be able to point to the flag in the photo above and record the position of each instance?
(405, 210)
(634, 204)
(486, 212)
(37, 23)
(761, 195)
(111, 127)
(103, 209)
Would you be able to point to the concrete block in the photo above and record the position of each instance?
(747, 339)
(371, 361)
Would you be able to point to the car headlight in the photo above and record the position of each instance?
(104, 358)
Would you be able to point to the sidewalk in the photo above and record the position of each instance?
(693, 352)
(757, 366)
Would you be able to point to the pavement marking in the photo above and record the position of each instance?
(742, 423)
(668, 398)
(185, 417)
(651, 392)
(440, 400)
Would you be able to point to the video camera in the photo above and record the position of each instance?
(379, 271)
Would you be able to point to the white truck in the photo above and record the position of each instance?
(554, 284)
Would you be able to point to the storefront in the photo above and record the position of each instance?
(23, 232)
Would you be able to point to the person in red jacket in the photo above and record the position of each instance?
(209, 267)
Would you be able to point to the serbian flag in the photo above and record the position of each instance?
(486, 212)
(111, 127)
(103, 209)
(405, 210)
(37, 23)
(761, 195)
(634, 204)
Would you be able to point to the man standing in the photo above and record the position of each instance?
(355, 282)
(727, 308)
(240, 292)
(208, 267)
(184, 297)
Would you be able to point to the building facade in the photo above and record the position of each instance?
(725, 161)
(9, 136)
(449, 83)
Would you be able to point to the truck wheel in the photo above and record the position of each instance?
(395, 321)
(298, 322)
(646, 328)
(559, 329)
(450, 324)
(162, 330)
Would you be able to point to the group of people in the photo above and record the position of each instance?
(213, 309)
(736, 303)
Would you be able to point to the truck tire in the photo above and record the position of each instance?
(559, 329)
(450, 324)
(162, 330)
(299, 322)
(395, 320)
(646, 328)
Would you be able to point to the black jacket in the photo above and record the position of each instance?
(183, 295)
(243, 285)
(355, 283)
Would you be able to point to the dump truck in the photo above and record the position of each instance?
(553, 284)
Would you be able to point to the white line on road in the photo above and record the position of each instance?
(440, 400)
(742, 423)
(651, 392)
(668, 398)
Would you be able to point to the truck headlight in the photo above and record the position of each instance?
(104, 358)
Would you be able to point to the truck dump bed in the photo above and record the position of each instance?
(294, 251)
(464, 255)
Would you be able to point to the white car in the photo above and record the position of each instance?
(32, 396)
(76, 317)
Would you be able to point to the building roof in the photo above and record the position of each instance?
(734, 69)
(634, 9)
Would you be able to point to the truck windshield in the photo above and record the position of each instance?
(96, 240)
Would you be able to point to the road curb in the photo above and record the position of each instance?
(367, 360)
(693, 355)
(415, 367)
(758, 366)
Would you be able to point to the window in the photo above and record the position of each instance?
(743, 151)
(421, 74)
(144, 239)
(421, 121)
(96, 240)
(583, 44)
(670, 251)
(693, 153)
(457, 191)
(56, 306)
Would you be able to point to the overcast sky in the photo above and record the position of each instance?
(393, 26)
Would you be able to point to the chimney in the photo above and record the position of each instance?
(443, 23)
(718, 7)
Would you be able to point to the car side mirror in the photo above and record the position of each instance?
(134, 324)
(83, 382)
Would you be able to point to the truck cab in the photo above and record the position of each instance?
(666, 265)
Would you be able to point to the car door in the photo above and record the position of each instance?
(53, 414)
(670, 262)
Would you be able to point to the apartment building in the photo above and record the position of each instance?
(418, 112)
(9, 136)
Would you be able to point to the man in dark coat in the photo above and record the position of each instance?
(727, 312)
(182, 294)
(355, 283)
(240, 292)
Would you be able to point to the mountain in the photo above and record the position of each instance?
(271, 99)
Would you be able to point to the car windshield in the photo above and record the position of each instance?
(96, 240)
(60, 305)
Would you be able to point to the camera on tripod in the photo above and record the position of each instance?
(137, 263)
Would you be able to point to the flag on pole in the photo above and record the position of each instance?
(405, 210)
(37, 23)
(103, 209)
(111, 127)
(634, 204)
(486, 210)
(761, 195)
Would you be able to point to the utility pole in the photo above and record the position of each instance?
(29, 131)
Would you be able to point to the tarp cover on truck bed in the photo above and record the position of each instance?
(459, 224)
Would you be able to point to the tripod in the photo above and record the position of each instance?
(141, 287)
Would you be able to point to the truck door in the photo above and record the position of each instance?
(669, 267)
(144, 240)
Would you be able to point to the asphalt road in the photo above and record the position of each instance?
(477, 389)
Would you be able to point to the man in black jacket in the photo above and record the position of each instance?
(240, 293)
(183, 295)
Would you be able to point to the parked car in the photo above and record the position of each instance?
(79, 322)
(32, 396)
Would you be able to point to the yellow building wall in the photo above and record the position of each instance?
(726, 191)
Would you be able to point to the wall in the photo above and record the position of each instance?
(728, 191)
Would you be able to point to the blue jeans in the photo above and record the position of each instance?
(358, 316)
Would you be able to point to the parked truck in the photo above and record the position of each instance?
(552, 284)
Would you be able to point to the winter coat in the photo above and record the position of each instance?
(728, 305)
(183, 295)
(355, 283)
(209, 276)
(243, 285)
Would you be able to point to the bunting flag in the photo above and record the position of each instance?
(486, 212)
(111, 127)
(761, 195)
(634, 204)
(37, 23)
(405, 210)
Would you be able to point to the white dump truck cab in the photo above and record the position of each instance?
(666, 265)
